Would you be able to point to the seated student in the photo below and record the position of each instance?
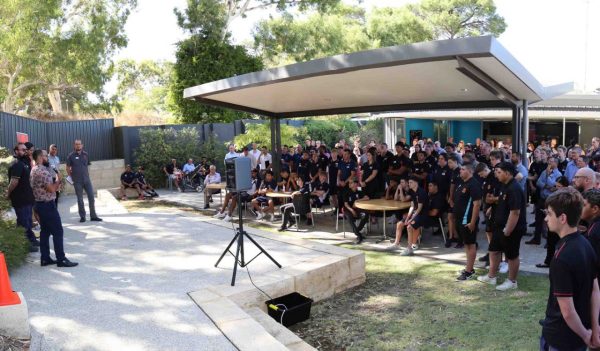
(268, 185)
(141, 180)
(285, 177)
(313, 167)
(292, 185)
(401, 194)
(390, 192)
(287, 209)
(351, 212)
(128, 181)
(416, 217)
(320, 191)
(211, 178)
(303, 166)
(437, 205)
(230, 202)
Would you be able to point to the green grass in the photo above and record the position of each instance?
(13, 244)
(412, 304)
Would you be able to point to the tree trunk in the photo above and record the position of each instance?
(55, 101)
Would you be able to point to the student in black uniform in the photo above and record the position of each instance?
(591, 215)
(332, 170)
(442, 175)
(144, 185)
(128, 181)
(313, 168)
(303, 166)
(346, 171)
(467, 202)
(509, 227)
(320, 191)
(417, 214)
(369, 175)
(455, 181)
(437, 205)
(573, 278)
(351, 212)
(287, 209)
(421, 169)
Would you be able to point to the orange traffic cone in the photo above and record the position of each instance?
(7, 295)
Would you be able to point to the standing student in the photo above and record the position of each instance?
(78, 162)
(54, 161)
(573, 302)
(467, 202)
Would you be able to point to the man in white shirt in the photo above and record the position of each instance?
(254, 155)
(265, 160)
(231, 153)
(211, 178)
(54, 161)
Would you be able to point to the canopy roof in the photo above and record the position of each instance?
(448, 74)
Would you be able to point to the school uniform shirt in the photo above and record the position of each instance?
(296, 161)
(127, 177)
(139, 176)
(419, 197)
(593, 235)
(346, 169)
(318, 186)
(272, 185)
(303, 168)
(510, 198)
(432, 159)
(384, 161)
(367, 170)
(352, 196)
(333, 170)
(442, 176)
(455, 177)
(323, 162)
(465, 193)
(484, 159)
(572, 273)
(398, 161)
(313, 168)
(438, 202)
(421, 168)
(22, 195)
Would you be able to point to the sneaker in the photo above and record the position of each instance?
(448, 244)
(393, 247)
(391, 220)
(415, 246)
(219, 215)
(486, 279)
(459, 246)
(407, 252)
(260, 216)
(253, 211)
(507, 285)
(466, 275)
(503, 268)
(227, 218)
(484, 258)
(271, 217)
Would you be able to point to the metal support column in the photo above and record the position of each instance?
(524, 133)
(516, 127)
(275, 145)
(564, 135)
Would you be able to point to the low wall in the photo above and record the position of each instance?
(104, 174)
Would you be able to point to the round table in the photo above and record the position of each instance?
(279, 195)
(382, 205)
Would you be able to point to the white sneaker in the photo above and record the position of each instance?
(271, 217)
(260, 216)
(227, 218)
(503, 268)
(391, 220)
(219, 215)
(486, 279)
(393, 247)
(407, 252)
(507, 285)
(415, 246)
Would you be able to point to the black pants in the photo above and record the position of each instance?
(50, 224)
(287, 216)
(89, 190)
(539, 218)
(553, 238)
(57, 195)
(351, 219)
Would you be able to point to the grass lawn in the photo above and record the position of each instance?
(414, 304)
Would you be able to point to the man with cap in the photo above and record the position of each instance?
(78, 162)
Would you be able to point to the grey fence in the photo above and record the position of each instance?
(97, 135)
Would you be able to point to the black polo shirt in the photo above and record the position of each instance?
(79, 163)
(483, 159)
(455, 177)
(303, 168)
(593, 235)
(272, 185)
(401, 160)
(139, 176)
(421, 168)
(313, 168)
(465, 194)
(367, 169)
(352, 196)
(170, 168)
(419, 197)
(511, 197)
(572, 273)
(317, 185)
(346, 169)
(22, 195)
(438, 202)
(432, 159)
(442, 176)
(127, 177)
(323, 162)
(333, 170)
(384, 161)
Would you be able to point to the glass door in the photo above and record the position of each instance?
(440, 131)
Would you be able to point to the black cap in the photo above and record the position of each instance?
(29, 145)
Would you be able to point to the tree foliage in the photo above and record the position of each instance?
(57, 47)
(331, 129)
(260, 133)
(292, 38)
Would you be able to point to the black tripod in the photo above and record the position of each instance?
(239, 236)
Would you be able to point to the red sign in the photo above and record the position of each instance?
(22, 137)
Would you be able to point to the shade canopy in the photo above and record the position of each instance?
(447, 74)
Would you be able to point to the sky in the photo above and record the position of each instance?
(547, 36)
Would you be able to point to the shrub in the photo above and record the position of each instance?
(159, 146)
(260, 133)
(331, 129)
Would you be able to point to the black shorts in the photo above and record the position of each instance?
(468, 237)
(418, 221)
(510, 245)
(489, 225)
(318, 203)
(450, 209)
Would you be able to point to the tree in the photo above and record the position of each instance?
(290, 38)
(260, 133)
(57, 46)
(331, 129)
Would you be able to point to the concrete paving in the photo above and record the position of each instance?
(130, 290)
(431, 246)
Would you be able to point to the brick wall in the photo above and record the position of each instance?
(104, 174)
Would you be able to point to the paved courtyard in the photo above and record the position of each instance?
(130, 290)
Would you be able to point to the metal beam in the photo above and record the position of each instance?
(516, 127)
(487, 82)
(524, 133)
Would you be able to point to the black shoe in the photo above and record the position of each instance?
(281, 229)
(82, 219)
(96, 219)
(542, 265)
(66, 263)
(484, 221)
(205, 206)
(359, 240)
(309, 221)
(33, 248)
(47, 262)
(528, 234)
(448, 243)
(533, 242)
(532, 225)
(436, 233)
(464, 275)
(484, 258)
(35, 243)
(459, 246)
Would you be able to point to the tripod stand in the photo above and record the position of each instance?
(239, 236)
